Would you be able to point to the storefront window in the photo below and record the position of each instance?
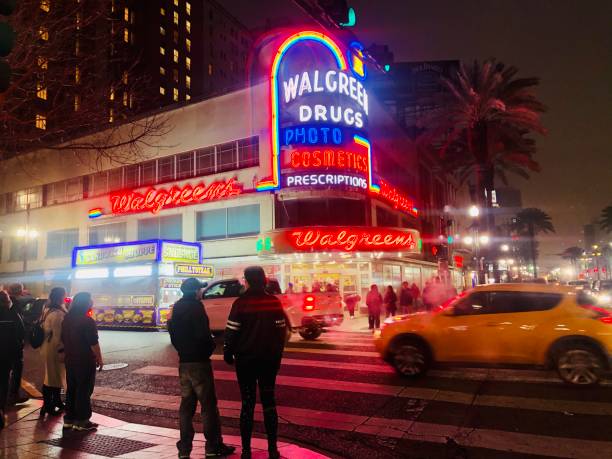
(243, 220)
(211, 224)
(315, 212)
(167, 227)
(105, 234)
(60, 243)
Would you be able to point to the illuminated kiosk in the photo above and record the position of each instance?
(133, 284)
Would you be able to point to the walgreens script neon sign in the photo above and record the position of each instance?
(353, 239)
(156, 199)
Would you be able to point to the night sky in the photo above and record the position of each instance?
(567, 43)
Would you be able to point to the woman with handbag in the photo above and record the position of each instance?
(52, 352)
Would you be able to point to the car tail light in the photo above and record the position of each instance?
(309, 303)
(602, 314)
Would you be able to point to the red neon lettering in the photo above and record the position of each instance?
(340, 159)
(154, 200)
(348, 239)
(398, 200)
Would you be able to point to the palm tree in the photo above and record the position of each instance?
(482, 129)
(531, 222)
(606, 219)
(572, 254)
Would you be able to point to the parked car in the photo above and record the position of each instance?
(307, 313)
(531, 324)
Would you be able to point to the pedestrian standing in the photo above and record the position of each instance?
(12, 334)
(405, 298)
(255, 340)
(351, 301)
(374, 303)
(52, 351)
(82, 356)
(390, 301)
(416, 293)
(20, 299)
(190, 335)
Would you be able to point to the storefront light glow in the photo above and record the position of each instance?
(91, 273)
(133, 271)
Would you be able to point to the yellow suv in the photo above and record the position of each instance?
(498, 324)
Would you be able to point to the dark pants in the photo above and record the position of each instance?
(374, 320)
(5, 376)
(252, 373)
(198, 385)
(80, 381)
(391, 311)
(17, 372)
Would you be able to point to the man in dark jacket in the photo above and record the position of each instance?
(20, 299)
(255, 339)
(11, 340)
(190, 334)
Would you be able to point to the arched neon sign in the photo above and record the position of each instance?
(308, 35)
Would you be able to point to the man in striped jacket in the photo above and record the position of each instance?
(255, 339)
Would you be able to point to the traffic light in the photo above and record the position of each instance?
(7, 41)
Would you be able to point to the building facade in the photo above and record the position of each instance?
(305, 174)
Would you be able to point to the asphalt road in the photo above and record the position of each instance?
(335, 395)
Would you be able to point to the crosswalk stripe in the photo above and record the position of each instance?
(333, 352)
(522, 443)
(332, 343)
(423, 393)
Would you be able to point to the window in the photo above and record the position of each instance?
(125, 98)
(175, 94)
(243, 220)
(162, 70)
(41, 121)
(176, 55)
(187, 97)
(60, 243)
(99, 183)
(43, 33)
(41, 91)
(175, 36)
(165, 169)
(225, 289)
(230, 222)
(205, 161)
(77, 75)
(167, 227)
(18, 244)
(126, 14)
(314, 212)
(188, 26)
(162, 90)
(126, 35)
(64, 191)
(77, 102)
(210, 69)
(175, 75)
(74, 189)
(184, 165)
(176, 18)
(105, 234)
(111, 115)
(248, 152)
(188, 63)
(385, 217)
(45, 5)
(507, 302)
(226, 157)
(188, 44)
(148, 173)
(32, 197)
(188, 8)
(77, 47)
(162, 31)
(131, 176)
(162, 11)
(162, 50)
(476, 303)
(211, 224)
(188, 82)
(43, 63)
(78, 21)
(115, 179)
(111, 94)
(175, 2)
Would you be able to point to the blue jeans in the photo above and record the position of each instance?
(198, 385)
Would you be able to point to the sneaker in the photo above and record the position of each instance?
(221, 450)
(85, 427)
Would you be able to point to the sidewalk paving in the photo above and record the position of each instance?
(27, 437)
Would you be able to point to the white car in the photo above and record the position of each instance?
(307, 313)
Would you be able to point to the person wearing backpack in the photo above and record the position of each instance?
(11, 336)
(52, 352)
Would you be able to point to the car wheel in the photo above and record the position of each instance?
(410, 358)
(310, 332)
(580, 365)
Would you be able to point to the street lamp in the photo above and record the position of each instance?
(473, 211)
(468, 240)
(26, 234)
(484, 239)
(504, 247)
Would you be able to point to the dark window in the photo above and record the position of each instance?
(60, 243)
(184, 165)
(165, 169)
(385, 217)
(131, 176)
(167, 227)
(211, 224)
(115, 179)
(223, 290)
(226, 157)
(476, 303)
(314, 212)
(148, 173)
(507, 302)
(100, 183)
(205, 161)
(248, 152)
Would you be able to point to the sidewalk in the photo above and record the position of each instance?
(359, 324)
(28, 437)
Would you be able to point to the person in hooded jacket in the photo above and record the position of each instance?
(255, 339)
(190, 334)
(11, 338)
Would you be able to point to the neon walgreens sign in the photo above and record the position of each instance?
(156, 199)
(353, 239)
